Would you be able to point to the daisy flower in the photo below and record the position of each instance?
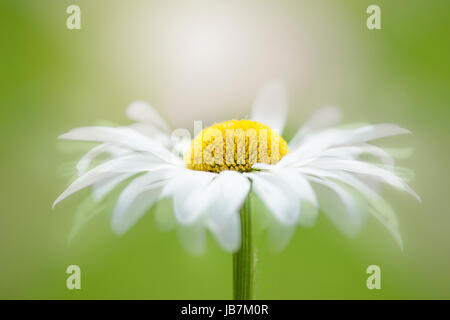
(210, 178)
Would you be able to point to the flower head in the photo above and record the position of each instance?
(321, 167)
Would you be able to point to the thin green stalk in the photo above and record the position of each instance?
(244, 260)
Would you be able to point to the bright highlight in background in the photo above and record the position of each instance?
(211, 55)
(202, 44)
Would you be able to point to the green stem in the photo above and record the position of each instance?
(244, 260)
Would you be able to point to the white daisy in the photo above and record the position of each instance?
(321, 167)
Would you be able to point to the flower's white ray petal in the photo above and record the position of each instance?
(383, 212)
(377, 131)
(88, 157)
(366, 168)
(87, 210)
(299, 184)
(292, 178)
(323, 118)
(280, 235)
(153, 133)
(192, 193)
(347, 218)
(223, 220)
(126, 164)
(142, 202)
(372, 182)
(164, 215)
(379, 208)
(184, 179)
(122, 136)
(102, 188)
(399, 153)
(405, 174)
(346, 152)
(118, 135)
(385, 158)
(352, 152)
(192, 237)
(271, 106)
(278, 197)
(141, 111)
(82, 182)
(233, 188)
(338, 137)
(226, 230)
(264, 166)
(181, 146)
(314, 144)
(191, 204)
(137, 198)
(309, 214)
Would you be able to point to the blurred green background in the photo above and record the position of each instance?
(54, 79)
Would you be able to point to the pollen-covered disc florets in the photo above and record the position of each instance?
(235, 145)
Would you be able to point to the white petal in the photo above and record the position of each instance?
(192, 237)
(264, 166)
(405, 174)
(221, 195)
(141, 111)
(293, 178)
(87, 210)
(164, 215)
(154, 133)
(122, 136)
(82, 182)
(192, 194)
(271, 106)
(277, 195)
(377, 131)
(366, 168)
(223, 220)
(299, 184)
(86, 160)
(141, 203)
(309, 214)
(111, 168)
(226, 230)
(399, 153)
(184, 179)
(232, 188)
(379, 208)
(280, 235)
(354, 151)
(321, 119)
(102, 188)
(137, 198)
(314, 144)
(347, 218)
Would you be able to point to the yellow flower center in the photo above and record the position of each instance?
(235, 145)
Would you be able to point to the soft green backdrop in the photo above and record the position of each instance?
(53, 79)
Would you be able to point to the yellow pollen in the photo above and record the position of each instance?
(235, 145)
